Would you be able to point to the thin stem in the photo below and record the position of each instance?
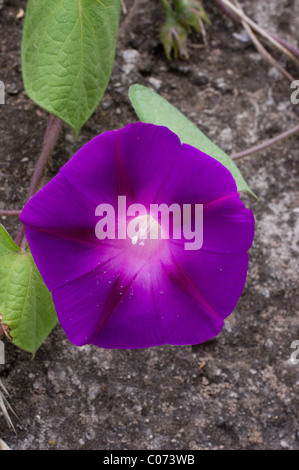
(20, 234)
(266, 144)
(51, 135)
(286, 44)
(50, 139)
(12, 213)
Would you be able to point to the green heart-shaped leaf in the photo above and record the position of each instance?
(26, 304)
(68, 49)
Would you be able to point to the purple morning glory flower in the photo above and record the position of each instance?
(138, 292)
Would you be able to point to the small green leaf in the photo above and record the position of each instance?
(68, 49)
(152, 108)
(25, 302)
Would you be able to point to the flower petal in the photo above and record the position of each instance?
(196, 178)
(132, 161)
(219, 277)
(60, 229)
(151, 309)
(228, 227)
(93, 172)
(148, 153)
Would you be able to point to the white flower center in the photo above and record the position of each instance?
(144, 227)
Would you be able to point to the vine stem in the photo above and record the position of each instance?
(266, 144)
(5, 213)
(50, 139)
(51, 135)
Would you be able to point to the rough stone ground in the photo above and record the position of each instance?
(238, 391)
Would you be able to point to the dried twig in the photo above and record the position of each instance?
(236, 12)
(124, 8)
(228, 12)
(3, 445)
(264, 53)
(5, 406)
(203, 31)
